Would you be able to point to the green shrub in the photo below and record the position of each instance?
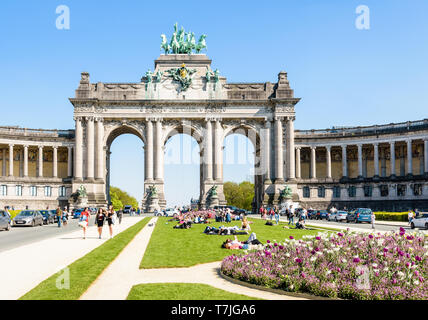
(391, 216)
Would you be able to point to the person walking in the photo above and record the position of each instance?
(99, 221)
(120, 215)
(110, 220)
(59, 216)
(410, 216)
(84, 221)
(373, 219)
(65, 217)
(277, 215)
(291, 220)
(261, 211)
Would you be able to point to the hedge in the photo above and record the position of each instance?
(391, 216)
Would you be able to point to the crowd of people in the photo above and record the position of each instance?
(295, 216)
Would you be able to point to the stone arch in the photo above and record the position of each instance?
(251, 132)
(112, 133)
(184, 128)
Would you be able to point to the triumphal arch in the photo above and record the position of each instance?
(183, 94)
(383, 167)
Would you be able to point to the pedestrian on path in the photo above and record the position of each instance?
(291, 220)
(410, 216)
(277, 215)
(120, 215)
(111, 220)
(99, 221)
(373, 219)
(65, 217)
(84, 221)
(59, 216)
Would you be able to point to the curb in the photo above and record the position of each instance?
(271, 290)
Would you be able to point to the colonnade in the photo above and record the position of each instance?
(376, 148)
(24, 149)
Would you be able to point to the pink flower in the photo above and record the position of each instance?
(356, 260)
(291, 237)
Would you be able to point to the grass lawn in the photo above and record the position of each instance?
(170, 247)
(182, 291)
(86, 270)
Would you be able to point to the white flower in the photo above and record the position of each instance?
(313, 259)
(374, 265)
(344, 260)
(416, 282)
(291, 287)
(287, 255)
(328, 272)
(386, 269)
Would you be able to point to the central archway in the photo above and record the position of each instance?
(125, 149)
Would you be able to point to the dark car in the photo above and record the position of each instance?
(322, 214)
(359, 215)
(312, 214)
(48, 216)
(127, 209)
(77, 213)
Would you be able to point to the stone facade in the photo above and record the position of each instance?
(361, 166)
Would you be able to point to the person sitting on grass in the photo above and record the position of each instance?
(245, 226)
(300, 224)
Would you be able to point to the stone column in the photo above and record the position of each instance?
(208, 151)
(11, 160)
(376, 160)
(279, 168)
(70, 162)
(78, 152)
(298, 170)
(25, 161)
(4, 163)
(409, 158)
(218, 158)
(149, 150)
(267, 151)
(40, 162)
(90, 148)
(290, 149)
(344, 162)
(55, 162)
(313, 163)
(328, 160)
(392, 158)
(426, 156)
(360, 160)
(158, 174)
(99, 155)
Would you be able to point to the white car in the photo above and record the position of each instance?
(421, 221)
(338, 216)
(169, 212)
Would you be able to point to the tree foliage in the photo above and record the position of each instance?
(120, 198)
(239, 195)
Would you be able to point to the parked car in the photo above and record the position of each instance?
(312, 214)
(53, 213)
(127, 209)
(322, 214)
(169, 212)
(4, 221)
(77, 213)
(338, 216)
(359, 215)
(232, 208)
(28, 218)
(48, 216)
(421, 221)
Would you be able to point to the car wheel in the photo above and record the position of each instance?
(412, 225)
(426, 225)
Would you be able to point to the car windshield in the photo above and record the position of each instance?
(365, 211)
(341, 212)
(26, 213)
(425, 215)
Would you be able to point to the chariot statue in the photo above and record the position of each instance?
(286, 193)
(82, 192)
(182, 42)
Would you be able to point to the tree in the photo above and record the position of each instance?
(239, 195)
(120, 198)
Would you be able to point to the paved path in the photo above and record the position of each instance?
(23, 268)
(116, 281)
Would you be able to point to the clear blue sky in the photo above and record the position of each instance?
(344, 76)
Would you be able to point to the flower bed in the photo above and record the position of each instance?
(343, 265)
